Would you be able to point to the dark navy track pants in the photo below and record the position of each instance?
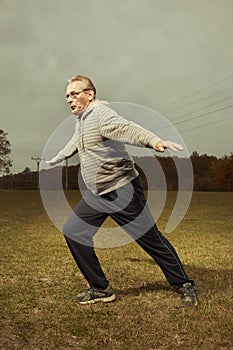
(127, 207)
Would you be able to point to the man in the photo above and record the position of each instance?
(113, 188)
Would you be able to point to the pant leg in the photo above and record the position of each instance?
(79, 230)
(145, 232)
(161, 250)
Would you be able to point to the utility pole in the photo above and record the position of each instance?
(38, 160)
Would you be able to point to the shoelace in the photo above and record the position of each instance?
(189, 291)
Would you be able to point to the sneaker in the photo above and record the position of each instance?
(189, 294)
(94, 295)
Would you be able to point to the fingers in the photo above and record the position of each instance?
(177, 146)
(160, 149)
(174, 146)
(162, 145)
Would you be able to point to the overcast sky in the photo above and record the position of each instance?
(156, 53)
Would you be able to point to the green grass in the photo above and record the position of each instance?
(39, 279)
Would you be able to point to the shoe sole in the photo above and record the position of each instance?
(103, 300)
(194, 303)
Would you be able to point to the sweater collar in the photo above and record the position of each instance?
(90, 108)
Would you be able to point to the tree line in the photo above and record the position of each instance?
(210, 174)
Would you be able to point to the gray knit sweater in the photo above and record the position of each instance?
(100, 137)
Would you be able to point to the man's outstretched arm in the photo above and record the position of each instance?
(69, 150)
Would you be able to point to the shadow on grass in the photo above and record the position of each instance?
(137, 291)
(208, 281)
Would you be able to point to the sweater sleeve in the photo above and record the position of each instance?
(69, 149)
(114, 127)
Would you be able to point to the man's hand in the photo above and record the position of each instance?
(50, 163)
(162, 145)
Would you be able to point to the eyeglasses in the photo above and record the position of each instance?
(74, 94)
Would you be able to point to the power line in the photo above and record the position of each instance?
(200, 99)
(199, 109)
(202, 126)
(203, 115)
(164, 126)
(196, 92)
(212, 123)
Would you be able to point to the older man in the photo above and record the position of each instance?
(113, 188)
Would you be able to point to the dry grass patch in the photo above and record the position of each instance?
(39, 280)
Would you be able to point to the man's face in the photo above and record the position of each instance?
(77, 99)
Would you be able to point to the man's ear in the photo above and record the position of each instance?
(90, 95)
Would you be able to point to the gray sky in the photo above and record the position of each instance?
(148, 52)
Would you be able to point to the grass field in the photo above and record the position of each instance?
(39, 280)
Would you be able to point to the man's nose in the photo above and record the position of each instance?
(69, 99)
